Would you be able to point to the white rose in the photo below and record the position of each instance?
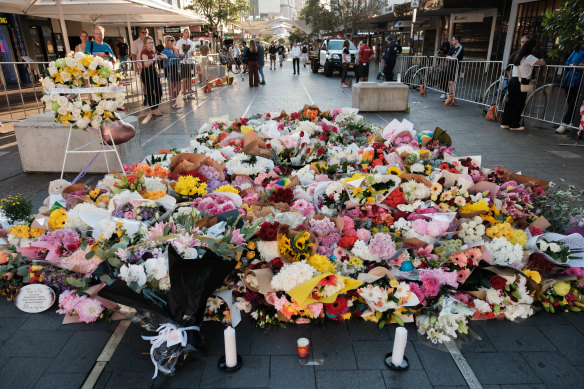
(71, 62)
(543, 245)
(108, 65)
(79, 56)
(52, 70)
(554, 247)
(62, 101)
(95, 79)
(78, 104)
(62, 111)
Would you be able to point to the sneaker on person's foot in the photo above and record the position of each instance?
(517, 128)
(561, 129)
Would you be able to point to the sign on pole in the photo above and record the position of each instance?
(415, 3)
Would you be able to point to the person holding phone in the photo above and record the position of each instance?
(98, 47)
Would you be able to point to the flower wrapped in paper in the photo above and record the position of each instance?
(323, 288)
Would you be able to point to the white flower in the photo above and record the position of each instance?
(494, 296)
(74, 220)
(104, 229)
(268, 249)
(417, 168)
(214, 303)
(482, 306)
(79, 55)
(154, 183)
(292, 275)
(554, 247)
(164, 283)
(70, 61)
(543, 245)
(62, 101)
(133, 273)
(361, 250)
(156, 268)
(243, 305)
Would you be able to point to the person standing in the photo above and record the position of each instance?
(572, 86)
(455, 57)
(123, 53)
(390, 57)
(244, 51)
(295, 57)
(273, 50)
(171, 69)
(187, 47)
(261, 61)
(365, 54)
(149, 75)
(346, 56)
(138, 44)
(521, 74)
(98, 46)
(204, 52)
(84, 36)
(443, 66)
(304, 53)
(281, 53)
(252, 63)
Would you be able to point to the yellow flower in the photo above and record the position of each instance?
(393, 283)
(190, 186)
(346, 316)
(321, 263)
(227, 188)
(436, 189)
(94, 193)
(428, 170)
(251, 245)
(394, 170)
(473, 207)
(533, 275)
(518, 237)
(246, 129)
(355, 262)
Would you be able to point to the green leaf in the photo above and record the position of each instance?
(83, 245)
(397, 319)
(381, 324)
(115, 262)
(90, 254)
(106, 279)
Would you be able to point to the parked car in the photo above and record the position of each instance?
(329, 56)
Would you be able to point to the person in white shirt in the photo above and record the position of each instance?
(296, 58)
(138, 45)
(186, 68)
(523, 63)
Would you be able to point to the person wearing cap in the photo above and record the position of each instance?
(390, 57)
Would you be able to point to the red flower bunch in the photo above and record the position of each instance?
(497, 282)
(535, 231)
(448, 167)
(295, 115)
(268, 231)
(395, 198)
(539, 263)
(282, 195)
(276, 264)
(321, 150)
(337, 309)
(347, 242)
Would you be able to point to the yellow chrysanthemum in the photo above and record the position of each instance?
(533, 275)
(227, 188)
(321, 263)
(246, 129)
(57, 219)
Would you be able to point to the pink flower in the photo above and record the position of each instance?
(130, 215)
(67, 302)
(288, 141)
(76, 262)
(88, 310)
(382, 246)
(474, 256)
(430, 286)
(415, 288)
(303, 207)
(462, 275)
(459, 259)
(348, 225)
(315, 309)
(156, 231)
(363, 234)
(237, 237)
(463, 297)
(338, 253)
(420, 226)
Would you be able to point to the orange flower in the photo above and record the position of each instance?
(4, 258)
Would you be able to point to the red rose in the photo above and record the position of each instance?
(347, 242)
(302, 134)
(497, 282)
(320, 150)
(268, 231)
(276, 264)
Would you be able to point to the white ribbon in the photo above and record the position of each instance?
(75, 91)
(164, 332)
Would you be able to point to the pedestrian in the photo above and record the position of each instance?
(443, 66)
(572, 86)
(455, 57)
(304, 53)
(159, 46)
(171, 69)
(149, 75)
(187, 47)
(520, 75)
(98, 46)
(261, 61)
(346, 56)
(123, 53)
(281, 53)
(357, 63)
(390, 57)
(296, 57)
(244, 51)
(204, 51)
(138, 44)
(84, 36)
(365, 54)
(273, 50)
(251, 57)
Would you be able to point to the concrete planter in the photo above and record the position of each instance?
(380, 97)
(42, 142)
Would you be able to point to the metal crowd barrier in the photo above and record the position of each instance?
(146, 87)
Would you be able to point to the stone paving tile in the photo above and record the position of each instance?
(80, 352)
(532, 386)
(278, 342)
(286, 372)
(128, 380)
(60, 380)
(349, 379)
(476, 341)
(255, 373)
(371, 354)
(567, 340)
(406, 379)
(362, 330)
(23, 372)
(439, 366)
(554, 370)
(35, 343)
(8, 327)
(332, 342)
(517, 338)
(187, 376)
(501, 368)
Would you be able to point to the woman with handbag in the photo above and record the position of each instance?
(346, 81)
(520, 85)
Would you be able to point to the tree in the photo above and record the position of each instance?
(268, 37)
(297, 35)
(566, 24)
(219, 12)
(338, 15)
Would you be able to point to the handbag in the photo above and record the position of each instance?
(525, 88)
(117, 130)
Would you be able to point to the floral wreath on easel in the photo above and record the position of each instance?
(79, 73)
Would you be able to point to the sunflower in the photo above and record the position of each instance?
(395, 171)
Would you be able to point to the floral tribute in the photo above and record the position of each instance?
(305, 217)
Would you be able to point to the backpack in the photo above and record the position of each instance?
(304, 49)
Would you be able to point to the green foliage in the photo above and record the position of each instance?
(297, 35)
(16, 207)
(560, 205)
(219, 12)
(567, 25)
(338, 15)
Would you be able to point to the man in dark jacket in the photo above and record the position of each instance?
(261, 61)
(390, 56)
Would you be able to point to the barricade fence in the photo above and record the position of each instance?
(149, 83)
(556, 98)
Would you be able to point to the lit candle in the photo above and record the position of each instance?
(230, 347)
(399, 346)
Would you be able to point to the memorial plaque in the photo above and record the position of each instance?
(35, 298)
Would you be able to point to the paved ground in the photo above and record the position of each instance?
(543, 351)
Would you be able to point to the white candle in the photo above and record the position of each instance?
(230, 347)
(399, 346)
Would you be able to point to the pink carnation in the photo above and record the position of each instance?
(430, 286)
(415, 288)
(349, 225)
(303, 207)
(88, 310)
(363, 234)
(76, 262)
(382, 246)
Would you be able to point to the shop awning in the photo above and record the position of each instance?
(107, 12)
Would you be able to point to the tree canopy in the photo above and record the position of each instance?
(566, 24)
(338, 15)
(219, 12)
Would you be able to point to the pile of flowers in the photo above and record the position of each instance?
(79, 70)
(322, 217)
